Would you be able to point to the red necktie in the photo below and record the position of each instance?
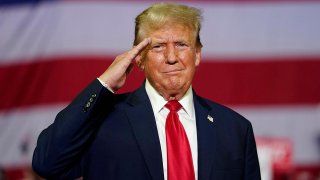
(180, 165)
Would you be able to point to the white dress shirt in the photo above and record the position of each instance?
(186, 116)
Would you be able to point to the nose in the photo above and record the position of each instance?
(171, 55)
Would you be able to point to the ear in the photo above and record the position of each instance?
(139, 61)
(198, 57)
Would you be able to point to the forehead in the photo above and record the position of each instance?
(173, 32)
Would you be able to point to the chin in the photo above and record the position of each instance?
(176, 87)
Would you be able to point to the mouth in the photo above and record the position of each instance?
(173, 72)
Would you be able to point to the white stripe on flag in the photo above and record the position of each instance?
(301, 124)
(19, 130)
(229, 30)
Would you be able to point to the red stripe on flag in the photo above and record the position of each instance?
(282, 81)
(58, 80)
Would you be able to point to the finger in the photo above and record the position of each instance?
(137, 49)
(129, 68)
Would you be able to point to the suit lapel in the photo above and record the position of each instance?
(206, 132)
(142, 120)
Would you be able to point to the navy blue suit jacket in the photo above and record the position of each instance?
(101, 135)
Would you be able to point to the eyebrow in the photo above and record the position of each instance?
(161, 41)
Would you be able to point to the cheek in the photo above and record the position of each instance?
(189, 60)
(154, 60)
(152, 66)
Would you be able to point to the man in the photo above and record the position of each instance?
(163, 130)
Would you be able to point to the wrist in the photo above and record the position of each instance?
(106, 85)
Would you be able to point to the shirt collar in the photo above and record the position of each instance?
(158, 102)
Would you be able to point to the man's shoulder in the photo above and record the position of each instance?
(132, 97)
(222, 112)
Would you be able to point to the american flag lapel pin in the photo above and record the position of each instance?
(210, 118)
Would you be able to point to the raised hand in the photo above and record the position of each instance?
(116, 74)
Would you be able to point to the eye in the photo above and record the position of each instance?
(158, 47)
(181, 45)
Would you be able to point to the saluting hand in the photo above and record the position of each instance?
(116, 74)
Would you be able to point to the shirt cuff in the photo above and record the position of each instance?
(105, 85)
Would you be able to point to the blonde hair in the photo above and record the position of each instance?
(161, 14)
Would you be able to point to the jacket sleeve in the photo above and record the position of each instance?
(62, 145)
(252, 168)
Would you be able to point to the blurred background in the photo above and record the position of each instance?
(260, 57)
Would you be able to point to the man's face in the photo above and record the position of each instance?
(171, 59)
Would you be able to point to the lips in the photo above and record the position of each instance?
(174, 71)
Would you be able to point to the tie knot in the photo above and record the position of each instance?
(173, 105)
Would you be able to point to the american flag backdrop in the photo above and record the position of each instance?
(260, 57)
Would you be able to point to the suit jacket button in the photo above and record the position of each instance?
(91, 100)
(88, 104)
